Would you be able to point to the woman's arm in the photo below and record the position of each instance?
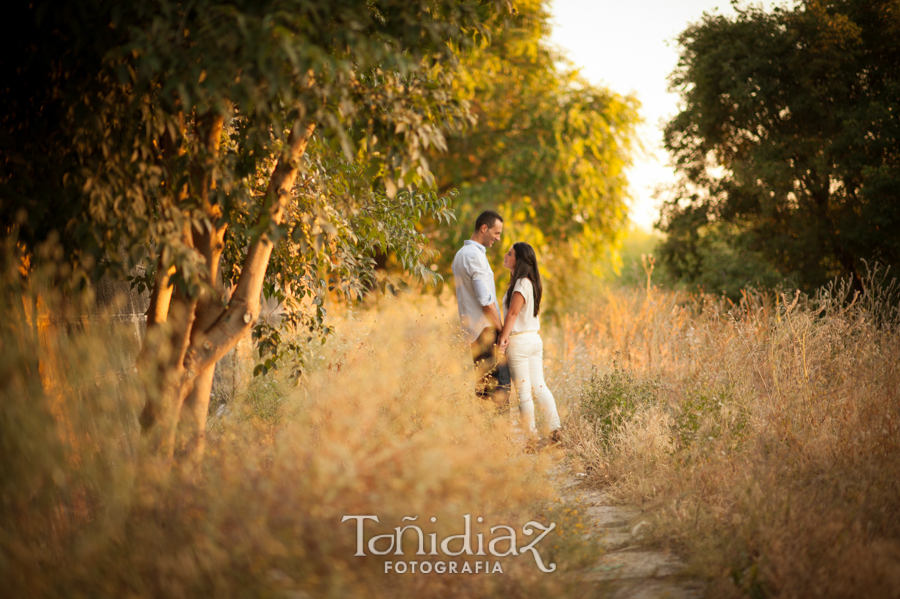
(518, 302)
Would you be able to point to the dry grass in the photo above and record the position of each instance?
(766, 434)
(385, 424)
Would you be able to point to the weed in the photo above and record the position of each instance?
(770, 450)
(385, 423)
(610, 399)
(706, 415)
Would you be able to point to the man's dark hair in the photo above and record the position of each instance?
(488, 217)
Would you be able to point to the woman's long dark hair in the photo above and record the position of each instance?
(526, 268)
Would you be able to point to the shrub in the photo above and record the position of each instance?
(706, 415)
(610, 399)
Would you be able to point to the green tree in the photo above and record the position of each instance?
(787, 145)
(227, 150)
(548, 151)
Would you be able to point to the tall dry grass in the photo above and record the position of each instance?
(765, 434)
(385, 424)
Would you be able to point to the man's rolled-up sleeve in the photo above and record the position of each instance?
(483, 292)
(481, 281)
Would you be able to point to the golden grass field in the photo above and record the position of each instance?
(384, 424)
(762, 436)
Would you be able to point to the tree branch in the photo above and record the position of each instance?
(178, 310)
(243, 309)
(160, 296)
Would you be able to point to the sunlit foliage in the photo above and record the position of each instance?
(548, 151)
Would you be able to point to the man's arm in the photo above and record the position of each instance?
(493, 315)
(488, 303)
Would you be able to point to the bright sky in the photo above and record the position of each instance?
(629, 46)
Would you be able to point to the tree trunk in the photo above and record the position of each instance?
(192, 424)
(157, 314)
(202, 329)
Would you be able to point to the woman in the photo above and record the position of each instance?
(520, 338)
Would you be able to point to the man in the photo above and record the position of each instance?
(479, 310)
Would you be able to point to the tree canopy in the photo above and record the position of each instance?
(549, 150)
(225, 149)
(787, 144)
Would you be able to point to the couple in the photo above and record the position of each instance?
(517, 337)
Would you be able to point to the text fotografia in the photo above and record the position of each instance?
(498, 545)
(442, 567)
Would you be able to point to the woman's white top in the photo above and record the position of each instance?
(526, 321)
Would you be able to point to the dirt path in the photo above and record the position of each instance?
(627, 569)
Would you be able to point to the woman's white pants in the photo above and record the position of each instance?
(525, 355)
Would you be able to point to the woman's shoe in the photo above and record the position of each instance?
(534, 445)
(556, 437)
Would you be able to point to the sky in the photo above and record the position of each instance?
(629, 46)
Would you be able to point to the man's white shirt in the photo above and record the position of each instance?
(475, 287)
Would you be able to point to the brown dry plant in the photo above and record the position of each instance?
(385, 423)
(764, 434)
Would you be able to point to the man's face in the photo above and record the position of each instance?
(490, 235)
